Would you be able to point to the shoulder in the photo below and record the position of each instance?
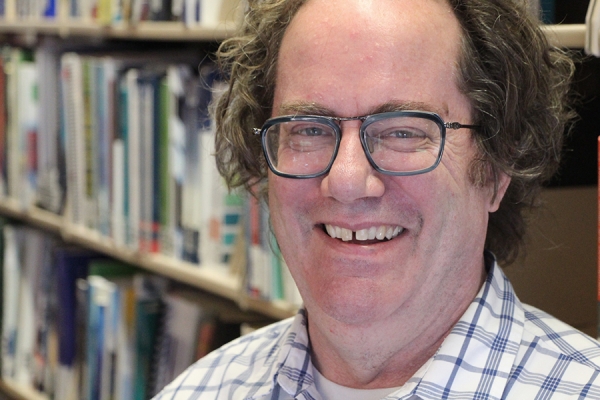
(544, 330)
(243, 365)
(555, 358)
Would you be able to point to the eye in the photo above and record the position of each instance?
(309, 130)
(403, 133)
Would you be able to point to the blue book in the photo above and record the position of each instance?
(548, 11)
(71, 265)
(50, 9)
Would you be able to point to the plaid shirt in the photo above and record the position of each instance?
(499, 349)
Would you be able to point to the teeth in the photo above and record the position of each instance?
(362, 234)
(380, 235)
(389, 232)
(346, 235)
(379, 232)
(330, 230)
(372, 232)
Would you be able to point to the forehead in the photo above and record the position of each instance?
(352, 55)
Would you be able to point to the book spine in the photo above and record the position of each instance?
(72, 97)
(133, 158)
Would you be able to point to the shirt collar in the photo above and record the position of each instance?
(476, 357)
(296, 372)
(479, 353)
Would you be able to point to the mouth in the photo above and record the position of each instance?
(369, 235)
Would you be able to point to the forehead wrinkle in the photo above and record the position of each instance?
(313, 108)
(397, 105)
(304, 108)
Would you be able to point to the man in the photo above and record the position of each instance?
(401, 139)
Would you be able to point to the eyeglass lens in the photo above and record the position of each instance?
(396, 144)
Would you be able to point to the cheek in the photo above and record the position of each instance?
(288, 205)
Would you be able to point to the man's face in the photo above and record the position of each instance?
(351, 57)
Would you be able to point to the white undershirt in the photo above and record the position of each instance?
(332, 391)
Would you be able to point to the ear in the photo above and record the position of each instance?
(503, 182)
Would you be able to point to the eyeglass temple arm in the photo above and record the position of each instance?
(458, 125)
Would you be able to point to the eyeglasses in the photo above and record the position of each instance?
(396, 143)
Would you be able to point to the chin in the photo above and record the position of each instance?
(351, 306)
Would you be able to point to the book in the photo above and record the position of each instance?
(188, 91)
(73, 132)
(100, 348)
(50, 190)
(132, 140)
(148, 86)
(34, 304)
(3, 124)
(10, 299)
(90, 140)
(71, 271)
(149, 291)
(592, 23)
(176, 348)
(112, 281)
(21, 135)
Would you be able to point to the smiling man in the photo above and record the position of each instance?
(398, 142)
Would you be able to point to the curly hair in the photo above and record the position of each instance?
(517, 83)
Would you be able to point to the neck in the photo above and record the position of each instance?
(384, 353)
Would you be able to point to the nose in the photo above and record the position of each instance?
(351, 176)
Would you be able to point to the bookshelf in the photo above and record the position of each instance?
(568, 35)
(213, 279)
(209, 278)
(164, 31)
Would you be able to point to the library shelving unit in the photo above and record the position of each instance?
(213, 279)
(204, 277)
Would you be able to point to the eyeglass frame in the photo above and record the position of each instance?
(366, 120)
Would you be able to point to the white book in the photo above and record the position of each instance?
(32, 256)
(49, 192)
(106, 71)
(72, 98)
(211, 191)
(10, 298)
(27, 117)
(176, 163)
(10, 10)
(592, 31)
(13, 150)
(191, 13)
(118, 195)
(210, 12)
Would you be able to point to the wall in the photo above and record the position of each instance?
(559, 272)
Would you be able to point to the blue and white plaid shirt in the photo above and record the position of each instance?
(500, 349)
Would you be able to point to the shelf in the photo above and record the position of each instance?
(214, 279)
(567, 36)
(168, 31)
(20, 392)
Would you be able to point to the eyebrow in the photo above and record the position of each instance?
(312, 108)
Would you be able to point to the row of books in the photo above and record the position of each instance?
(122, 144)
(206, 13)
(78, 325)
